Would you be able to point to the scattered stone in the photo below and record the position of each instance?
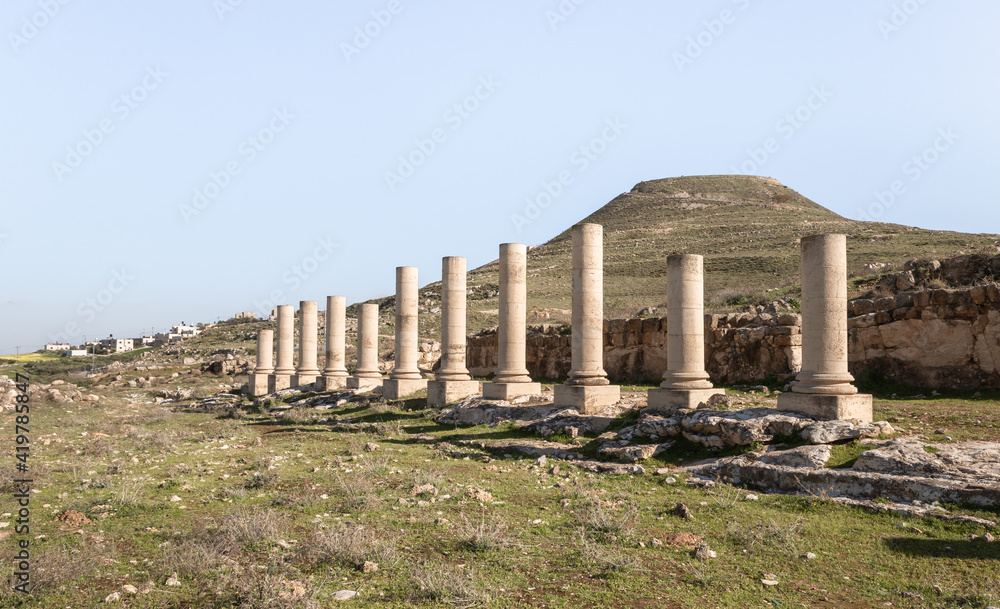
(173, 581)
(130, 589)
(369, 567)
(479, 495)
(657, 542)
(371, 447)
(72, 518)
(769, 582)
(682, 511)
(344, 595)
(422, 489)
(293, 590)
(670, 480)
(751, 497)
(988, 537)
(441, 521)
(809, 556)
(114, 597)
(702, 552)
(688, 541)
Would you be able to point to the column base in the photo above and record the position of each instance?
(509, 391)
(257, 384)
(441, 393)
(395, 389)
(668, 400)
(857, 407)
(277, 382)
(330, 383)
(299, 380)
(587, 399)
(364, 382)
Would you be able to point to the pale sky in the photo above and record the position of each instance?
(332, 142)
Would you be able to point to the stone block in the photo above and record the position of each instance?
(509, 391)
(857, 407)
(442, 393)
(331, 383)
(669, 400)
(364, 382)
(587, 399)
(978, 295)
(298, 380)
(277, 382)
(257, 384)
(862, 306)
(650, 325)
(395, 389)
(885, 304)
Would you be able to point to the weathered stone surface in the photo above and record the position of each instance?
(741, 427)
(825, 432)
(634, 452)
(976, 461)
(802, 456)
(901, 470)
(553, 450)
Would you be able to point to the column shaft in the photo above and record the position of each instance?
(824, 317)
(685, 324)
(308, 330)
(453, 320)
(587, 366)
(336, 332)
(265, 352)
(407, 306)
(511, 335)
(286, 340)
(367, 342)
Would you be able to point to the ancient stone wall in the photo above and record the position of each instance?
(740, 347)
(934, 338)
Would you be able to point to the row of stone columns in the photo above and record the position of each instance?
(823, 388)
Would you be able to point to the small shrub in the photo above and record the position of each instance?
(350, 546)
(246, 527)
(771, 536)
(449, 585)
(127, 491)
(483, 535)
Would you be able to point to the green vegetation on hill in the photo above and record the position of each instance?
(746, 227)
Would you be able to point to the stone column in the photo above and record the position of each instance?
(258, 381)
(511, 379)
(587, 387)
(334, 372)
(282, 376)
(307, 371)
(823, 388)
(366, 373)
(452, 382)
(685, 383)
(405, 378)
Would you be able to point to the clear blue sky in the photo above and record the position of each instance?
(291, 122)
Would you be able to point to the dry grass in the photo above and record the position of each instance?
(605, 559)
(127, 491)
(59, 566)
(356, 492)
(449, 585)
(270, 586)
(483, 534)
(771, 536)
(351, 546)
(250, 528)
(611, 519)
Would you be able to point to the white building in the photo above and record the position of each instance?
(75, 353)
(118, 345)
(56, 347)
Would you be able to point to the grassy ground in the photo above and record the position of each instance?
(265, 510)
